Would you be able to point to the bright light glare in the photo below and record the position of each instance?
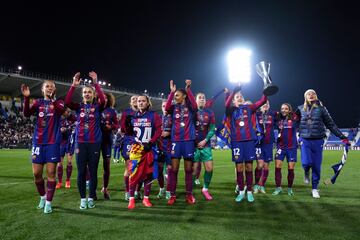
(19, 68)
(239, 65)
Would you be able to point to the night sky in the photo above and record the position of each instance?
(142, 45)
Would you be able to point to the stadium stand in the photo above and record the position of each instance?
(16, 130)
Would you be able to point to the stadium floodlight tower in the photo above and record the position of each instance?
(239, 65)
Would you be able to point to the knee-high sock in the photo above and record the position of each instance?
(60, 171)
(132, 188)
(68, 171)
(188, 181)
(40, 186)
(207, 178)
(240, 180)
(161, 177)
(126, 182)
(50, 190)
(264, 176)
(138, 186)
(106, 175)
(147, 187)
(249, 180)
(169, 178)
(198, 171)
(290, 177)
(278, 177)
(174, 178)
(257, 175)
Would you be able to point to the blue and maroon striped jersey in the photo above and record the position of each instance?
(144, 127)
(241, 119)
(183, 118)
(164, 143)
(48, 114)
(108, 119)
(166, 122)
(204, 118)
(88, 129)
(287, 131)
(66, 127)
(266, 123)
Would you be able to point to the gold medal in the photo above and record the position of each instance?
(182, 124)
(241, 123)
(86, 126)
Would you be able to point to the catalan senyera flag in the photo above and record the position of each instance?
(141, 163)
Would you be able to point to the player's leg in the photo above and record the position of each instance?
(291, 166)
(208, 165)
(81, 163)
(93, 163)
(306, 159)
(187, 151)
(160, 178)
(51, 185)
(52, 154)
(264, 177)
(240, 167)
(173, 172)
(147, 189)
(278, 175)
(106, 153)
(196, 163)
(60, 168)
(316, 156)
(125, 148)
(69, 169)
(259, 168)
(39, 183)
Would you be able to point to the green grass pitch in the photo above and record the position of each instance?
(336, 215)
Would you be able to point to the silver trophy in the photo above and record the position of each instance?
(263, 70)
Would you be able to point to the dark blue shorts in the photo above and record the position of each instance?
(63, 150)
(185, 149)
(264, 152)
(290, 154)
(243, 151)
(42, 154)
(164, 157)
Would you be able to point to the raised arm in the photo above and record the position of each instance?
(26, 93)
(98, 90)
(190, 95)
(231, 96)
(210, 102)
(68, 102)
(168, 106)
(259, 103)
